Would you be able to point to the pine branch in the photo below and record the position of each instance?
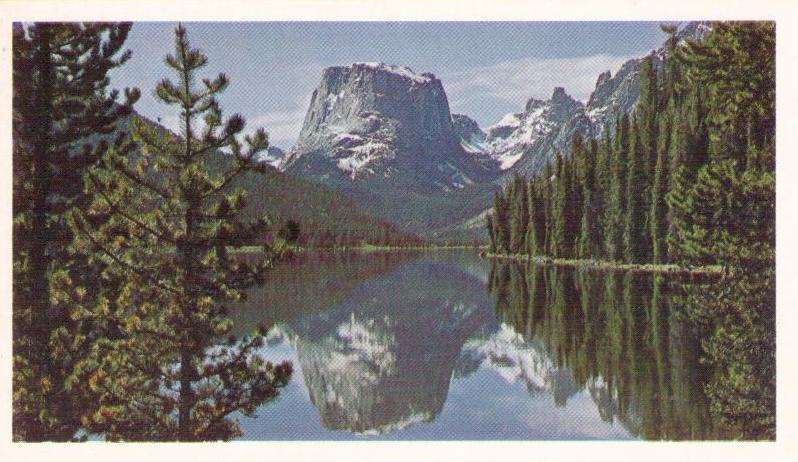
(127, 216)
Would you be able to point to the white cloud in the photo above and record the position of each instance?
(518, 80)
(282, 126)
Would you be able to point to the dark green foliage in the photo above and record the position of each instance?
(647, 112)
(557, 240)
(63, 118)
(536, 234)
(162, 222)
(616, 202)
(620, 336)
(735, 64)
(573, 194)
(491, 227)
(548, 195)
(290, 231)
(735, 225)
(501, 217)
(590, 232)
(658, 212)
(635, 235)
(519, 214)
(327, 218)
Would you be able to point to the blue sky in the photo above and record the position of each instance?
(488, 68)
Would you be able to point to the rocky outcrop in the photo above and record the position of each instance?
(525, 141)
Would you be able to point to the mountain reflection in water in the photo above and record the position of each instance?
(443, 345)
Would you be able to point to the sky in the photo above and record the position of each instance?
(488, 69)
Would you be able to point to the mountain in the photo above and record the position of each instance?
(384, 137)
(373, 121)
(375, 363)
(524, 141)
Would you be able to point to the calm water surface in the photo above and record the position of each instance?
(444, 345)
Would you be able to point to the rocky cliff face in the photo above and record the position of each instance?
(373, 121)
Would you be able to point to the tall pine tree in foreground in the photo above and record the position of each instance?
(63, 118)
(725, 214)
(163, 220)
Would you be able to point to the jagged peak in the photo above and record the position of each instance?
(560, 96)
(532, 104)
(603, 78)
(457, 116)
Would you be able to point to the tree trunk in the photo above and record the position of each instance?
(186, 397)
(37, 242)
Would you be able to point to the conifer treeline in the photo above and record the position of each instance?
(631, 195)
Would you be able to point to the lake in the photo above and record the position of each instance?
(443, 345)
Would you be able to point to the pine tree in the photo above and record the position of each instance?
(616, 204)
(501, 215)
(64, 117)
(491, 228)
(647, 114)
(519, 214)
(589, 238)
(536, 235)
(736, 66)
(602, 194)
(559, 211)
(574, 199)
(635, 234)
(689, 153)
(658, 225)
(722, 205)
(162, 221)
(548, 209)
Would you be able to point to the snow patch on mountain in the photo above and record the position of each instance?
(402, 71)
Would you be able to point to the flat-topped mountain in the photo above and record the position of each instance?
(374, 121)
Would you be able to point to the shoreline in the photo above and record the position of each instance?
(654, 268)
